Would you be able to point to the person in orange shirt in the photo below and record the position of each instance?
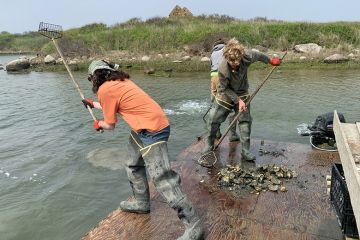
(147, 146)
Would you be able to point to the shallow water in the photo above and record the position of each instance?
(59, 178)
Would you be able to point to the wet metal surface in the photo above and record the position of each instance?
(302, 212)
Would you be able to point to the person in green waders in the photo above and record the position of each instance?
(216, 58)
(232, 92)
(147, 146)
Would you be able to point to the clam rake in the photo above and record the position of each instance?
(53, 32)
(209, 159)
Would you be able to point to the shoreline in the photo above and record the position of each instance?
(181, 62)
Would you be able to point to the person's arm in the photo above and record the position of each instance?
(101, 124)
(89, 102)
(259, 56)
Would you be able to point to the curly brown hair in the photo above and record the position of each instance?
(102, 75)
(233, 51)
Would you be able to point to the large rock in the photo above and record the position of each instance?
(308, 48)
(49, 60)
(18, 65)
(145, 58)
(36, 60)
(180, 12)
(205, 59)
(336, 58)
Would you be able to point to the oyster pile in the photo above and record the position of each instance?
(259, 179)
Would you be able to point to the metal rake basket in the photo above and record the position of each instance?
(50, 30)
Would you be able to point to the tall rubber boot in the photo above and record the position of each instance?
(186, 213)
(209, 144)
(245, 130)
(233, 136)
(135, 169)
(167, 183)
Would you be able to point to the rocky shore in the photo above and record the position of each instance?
(186, 60)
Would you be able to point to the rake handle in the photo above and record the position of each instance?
(73, 79)
(247, 103)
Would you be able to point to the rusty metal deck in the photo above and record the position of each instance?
(303, 212)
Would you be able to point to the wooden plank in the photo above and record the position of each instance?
(358, 127)
(347, 140)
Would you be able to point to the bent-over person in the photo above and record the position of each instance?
(147, 146)
(232, 92)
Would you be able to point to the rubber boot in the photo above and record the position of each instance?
(167, 183)
(233, 136)
(245, 130)
(193, 226)
(209, 144)
(135, 169)
(218, 134)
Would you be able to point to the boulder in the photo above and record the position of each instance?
(18, 65)
(351, 55)
(59, 61)
(180, 12)
(49, 60)
(205, 59)
(36, 60)
(145, 58)
(336, 58)
(149, 70)
(186, 58)
(308, 48)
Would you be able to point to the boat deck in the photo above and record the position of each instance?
(303, 212)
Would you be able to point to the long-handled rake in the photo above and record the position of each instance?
(209, 159)
(53, 32)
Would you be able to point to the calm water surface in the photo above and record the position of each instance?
(59, 178)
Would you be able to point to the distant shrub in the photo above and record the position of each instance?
(93, 27)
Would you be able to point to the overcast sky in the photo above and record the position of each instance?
(18, 16)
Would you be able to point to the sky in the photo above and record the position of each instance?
(18, 16)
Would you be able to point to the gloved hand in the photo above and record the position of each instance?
(275, 61)
(97, 126)
(88, 102)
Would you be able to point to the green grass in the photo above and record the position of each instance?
(171, 34)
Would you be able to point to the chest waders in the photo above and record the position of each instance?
(233, 136)
(219, 114)
(154, 158)
(208, 157)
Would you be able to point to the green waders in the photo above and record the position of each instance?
(167, 182)
(218, 116)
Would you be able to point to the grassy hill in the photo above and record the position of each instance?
(171, 34)
(127, 42)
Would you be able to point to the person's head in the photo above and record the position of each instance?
(233, 53)
(101, 71)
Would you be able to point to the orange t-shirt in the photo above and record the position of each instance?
(135, 106)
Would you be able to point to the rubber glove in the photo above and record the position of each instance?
(275, 61)
(97, 126)
(88, 102)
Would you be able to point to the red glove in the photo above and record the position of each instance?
(88, 102)
(275, 61)
(97, 126)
